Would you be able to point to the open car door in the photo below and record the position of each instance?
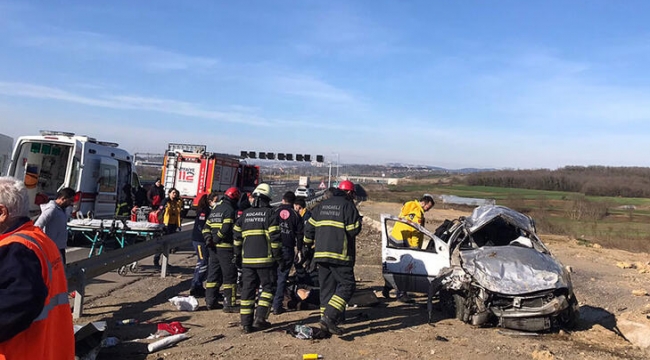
(406, 268)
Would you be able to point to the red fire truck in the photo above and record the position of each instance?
(194, 172)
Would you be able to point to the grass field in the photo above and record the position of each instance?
(616, 222)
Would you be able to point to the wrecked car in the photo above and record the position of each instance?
(489, 268)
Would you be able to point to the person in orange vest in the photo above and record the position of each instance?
(35, 318)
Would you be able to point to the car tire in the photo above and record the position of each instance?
(184, 213)
(453, 304)
(568, 319)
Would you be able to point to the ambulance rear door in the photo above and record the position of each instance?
(106, 188)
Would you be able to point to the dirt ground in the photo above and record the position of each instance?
(391, 329)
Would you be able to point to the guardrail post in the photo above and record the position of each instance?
(79, 294)
(165, 260)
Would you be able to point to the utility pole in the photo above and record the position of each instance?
(337, 167)
(329, 176)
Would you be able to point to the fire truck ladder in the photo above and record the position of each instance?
(170, 170)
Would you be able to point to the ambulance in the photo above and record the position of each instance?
(193, 171)
(98, 171)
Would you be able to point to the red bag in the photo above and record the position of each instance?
(153, 217)
(172, 328)
(156, 201)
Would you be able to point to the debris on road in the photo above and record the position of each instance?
(639, 292)
(166, 342)
(185, 303)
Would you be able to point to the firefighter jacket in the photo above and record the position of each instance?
(35, 319)
(333, 226)
(219, 225)
(257, 236)
(291, 226)
(414, 212)
(172, 211)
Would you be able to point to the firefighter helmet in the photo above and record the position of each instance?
(232, 193)
(346, 185)
(262, 189)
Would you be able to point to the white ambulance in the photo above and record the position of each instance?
(98, 171)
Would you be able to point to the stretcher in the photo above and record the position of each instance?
(123, 232)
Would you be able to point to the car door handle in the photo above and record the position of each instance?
(390, 258)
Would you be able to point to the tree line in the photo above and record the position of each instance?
(588, 180)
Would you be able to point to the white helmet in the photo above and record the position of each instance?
(262, 189)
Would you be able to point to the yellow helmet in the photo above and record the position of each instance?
(263, 189)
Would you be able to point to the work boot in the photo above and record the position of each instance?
(328, 325)
(405, 298)
(230, 309)
(215, 306)
(278, 311)
(261, 324)
(198, 292)
(248, 329)
(385, 292)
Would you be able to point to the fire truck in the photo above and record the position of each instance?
(194, 172)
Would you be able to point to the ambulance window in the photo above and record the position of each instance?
(135, 181)
(74, 175)
(108, 178)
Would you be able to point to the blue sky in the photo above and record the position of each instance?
(505, 84)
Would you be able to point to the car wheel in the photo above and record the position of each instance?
(568, 319)
(184, 213)
(453, 304)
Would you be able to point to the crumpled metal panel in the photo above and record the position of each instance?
(513, 270)
(484, 214)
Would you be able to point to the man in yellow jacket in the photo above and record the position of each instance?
(413, 211)
(406, 235)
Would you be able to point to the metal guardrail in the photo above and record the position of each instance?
(78, 273)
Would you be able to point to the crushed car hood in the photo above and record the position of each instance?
(513, 270)
(485, 214)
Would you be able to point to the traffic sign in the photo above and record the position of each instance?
(322, 185)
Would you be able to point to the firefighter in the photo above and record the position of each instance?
(333, 227)
(258, 249)
(218, 235)
(291, 230)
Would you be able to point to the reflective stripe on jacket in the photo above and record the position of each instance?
(50, 336)
(257, 233)
(333, 226)
(414, 212)
(220, 223)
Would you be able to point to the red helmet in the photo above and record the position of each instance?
(232, 193)
(346, 185)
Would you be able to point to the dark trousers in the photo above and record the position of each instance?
(62, 251)
(214, 278)
(287, 256)
(337, 286)
(252, 278)
(226, 258)
(201, 268)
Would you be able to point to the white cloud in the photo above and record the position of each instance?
(129, 102)
(88, 44)
(310, 87)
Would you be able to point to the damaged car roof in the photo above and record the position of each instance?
(485, 214)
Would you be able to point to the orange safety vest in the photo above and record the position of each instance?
(51, 335)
